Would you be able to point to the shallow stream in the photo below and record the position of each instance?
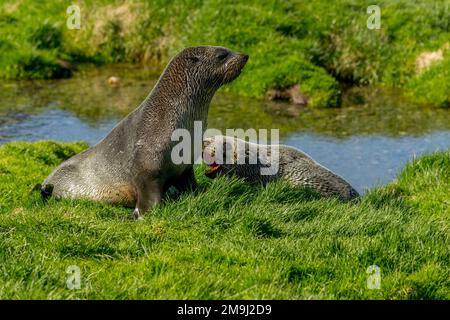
(367, 141)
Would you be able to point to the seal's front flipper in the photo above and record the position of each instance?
(137, 215)
(46, 191)
(149, 194)
(37, 187)
(186, 181)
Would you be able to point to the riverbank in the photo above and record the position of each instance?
(225, 241)
(313, 44)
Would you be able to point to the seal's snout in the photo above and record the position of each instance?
(241, 57)
(234, 66)
(244, 57)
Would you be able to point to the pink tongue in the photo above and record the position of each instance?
(213, 168)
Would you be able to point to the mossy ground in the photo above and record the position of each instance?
(227, 240)
(316, 44)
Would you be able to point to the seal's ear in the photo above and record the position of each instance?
(222, 53)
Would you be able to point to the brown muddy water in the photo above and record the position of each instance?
(367, 141)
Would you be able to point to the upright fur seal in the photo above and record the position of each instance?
(132, 165)
(229, 155)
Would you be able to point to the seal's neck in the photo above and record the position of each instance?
(180, 99)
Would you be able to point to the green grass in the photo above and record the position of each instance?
(433, 85)
(318, 45)
(226, 240)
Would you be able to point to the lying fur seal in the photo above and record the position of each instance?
(132, 164)
(230, 155)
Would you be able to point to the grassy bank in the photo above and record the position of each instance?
(315, 44)
(225, 240)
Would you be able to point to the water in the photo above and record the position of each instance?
(367, 141)
(367, 161)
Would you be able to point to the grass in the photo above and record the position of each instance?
(432, 85)
(318, 45)
(226, 240)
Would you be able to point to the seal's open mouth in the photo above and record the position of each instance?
(213, 170)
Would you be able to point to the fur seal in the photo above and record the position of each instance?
(223, 154)
(132, 164)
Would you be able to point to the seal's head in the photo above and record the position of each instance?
(207, 66)
(218, 153)
(230, 155)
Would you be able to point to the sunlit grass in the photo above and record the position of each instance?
(227, 240)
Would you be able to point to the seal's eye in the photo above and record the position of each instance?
(222, 55)
(194, 59)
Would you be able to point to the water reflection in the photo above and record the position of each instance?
(366, 161)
